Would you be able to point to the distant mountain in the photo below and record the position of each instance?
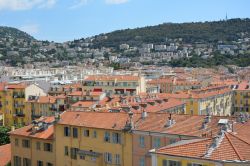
(9, 32)
(209, 32)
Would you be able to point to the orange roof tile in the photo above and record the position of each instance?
(104, 120)
(231, 148)
(5, 154)
(112, 78)
(44, 134)
(84, 104)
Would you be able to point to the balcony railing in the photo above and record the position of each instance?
(19, 114)
(18, 96)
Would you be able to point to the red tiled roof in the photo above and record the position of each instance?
(44, 134)
(112, 77)
(44, 100)
(5, 154)
(231, 148)
(16, 86)
(104, 120)
(84, 104)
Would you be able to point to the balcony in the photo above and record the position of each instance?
(16, 96)
(53, 109)
(35, 116)
(19, 114)
(16, 105)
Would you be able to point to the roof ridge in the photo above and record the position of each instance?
(188, 143)
(235, 149)
(239, 138)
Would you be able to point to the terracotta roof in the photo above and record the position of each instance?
(16, 86)
(84, 104)
(230, 148)
(104, 120)
(112, 78)
(5, 154)
(197, 94)
(243, 86)
(44, 134)
(2, 86)
(189, 125)
(82, 93)
(44, 100)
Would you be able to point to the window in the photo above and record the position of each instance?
(49, 164)
(116, 138)
(117, 159)
(16, 142)
(94, 134)
(26, 162)
(195, 164)
(107, 137)
(66, 131)
(73, 153)
(38, 146)
(75, 132)
(26, 143)
(17, 161)
(66, 150)
(142, 141)
(47, 147)
(142, 161)
(171, 163)
(86, 133)
(108, 157)
(172, 140)
(82, 157)
(39, 163)
(157, 143)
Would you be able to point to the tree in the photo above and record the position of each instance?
(4, 136)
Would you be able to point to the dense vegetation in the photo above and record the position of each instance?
(6, 32)
(197, 61)
(209, 32)
(4, 137)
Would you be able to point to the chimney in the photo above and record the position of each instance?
(129, 124)
(144, 114)
(170, 121)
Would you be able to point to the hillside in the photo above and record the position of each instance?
(198, 44)
(9, 32)
(210, 32)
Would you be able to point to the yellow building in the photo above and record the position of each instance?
(241, 101)
(38, 106)
(215, 100)
(75, 138)
(93, 139)
(14, 112)
(224, 150)
(115, 84)
(33, 145)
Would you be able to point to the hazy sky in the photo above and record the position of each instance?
(62, 20)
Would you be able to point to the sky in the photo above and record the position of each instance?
(64, 20)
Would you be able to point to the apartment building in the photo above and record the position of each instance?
(228, 148)
(241, 101)
(34, 145)
(75, 138)
(215, 100)
(38, 106)
(161, 129)
(172, 85)
(115, 84)
(14, 112)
